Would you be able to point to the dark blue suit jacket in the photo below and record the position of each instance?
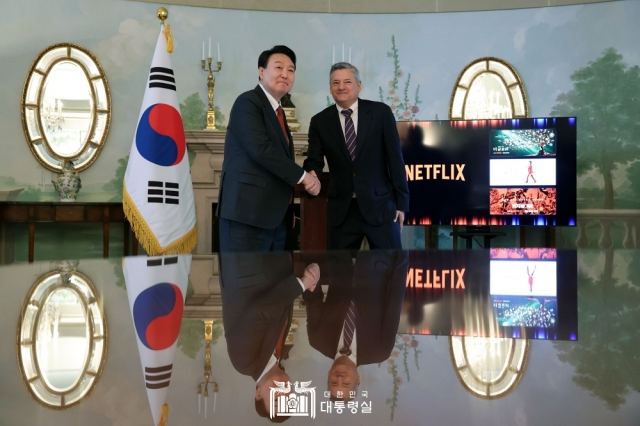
(259, 169)
(377, 176)
(258, 291)
(377, 285)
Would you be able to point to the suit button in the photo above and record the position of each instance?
(354, 174)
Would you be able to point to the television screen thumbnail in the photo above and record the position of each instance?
(526, 311)
(523, 143)
(522, 172)
(522, 201)
(523, 278)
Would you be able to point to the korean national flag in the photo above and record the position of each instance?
(158, 193)
(156, 287)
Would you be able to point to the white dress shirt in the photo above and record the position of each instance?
(354, 347)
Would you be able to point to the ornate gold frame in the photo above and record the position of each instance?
(518, 374)
(24, 106)
(92, 338)
(518, 84)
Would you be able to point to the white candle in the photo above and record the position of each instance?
(209, 46)
(349, 54)
(215, 398)
(200, 396)
(205, 407)
(203, 50)
(343, 51)
(219, 60)
(333, 57)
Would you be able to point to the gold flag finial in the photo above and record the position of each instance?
(162, 14)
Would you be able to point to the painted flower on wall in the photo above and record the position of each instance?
(402, 109)
(404, 343)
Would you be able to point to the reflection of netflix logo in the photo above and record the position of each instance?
(435, 171)
(434, 278)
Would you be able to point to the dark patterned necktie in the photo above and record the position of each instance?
(349, 133)
(349, 329)
(281, 120)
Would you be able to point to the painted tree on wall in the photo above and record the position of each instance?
(606, 100)
(194, 113)
(605, 356)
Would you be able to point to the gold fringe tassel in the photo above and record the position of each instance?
(169, 37)
(165, 415)
(144, 234)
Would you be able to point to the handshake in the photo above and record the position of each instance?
(311, 183)
(310, 277)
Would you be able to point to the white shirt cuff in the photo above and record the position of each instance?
(304, 173)
(301, 284)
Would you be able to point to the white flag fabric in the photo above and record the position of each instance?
(157, 195)
(156, 287)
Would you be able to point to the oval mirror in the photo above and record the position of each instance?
(66, 107)
(62, 339)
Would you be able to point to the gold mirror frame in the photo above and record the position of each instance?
(28, 325)
(500, 69)
(31, 107)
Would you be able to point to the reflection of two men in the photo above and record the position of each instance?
(357, 323)
(258, 291)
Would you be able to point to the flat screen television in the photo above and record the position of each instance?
(491, 172)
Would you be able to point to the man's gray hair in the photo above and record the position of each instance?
(345, 66)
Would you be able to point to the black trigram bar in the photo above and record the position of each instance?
(171, 193)
(162, 78)
(154, 262)
(158, 262)
(159, 376)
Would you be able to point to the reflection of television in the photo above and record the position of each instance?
(524, 289)
(502, 292)
(491, 172)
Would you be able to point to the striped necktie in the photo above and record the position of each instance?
(349, 133)
(349, 329)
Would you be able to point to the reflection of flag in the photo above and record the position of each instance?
(158, 195)
(156, 288)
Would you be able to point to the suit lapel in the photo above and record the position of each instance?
(364, 122)
(338, 133)
(271, 114)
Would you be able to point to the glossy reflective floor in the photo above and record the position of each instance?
(434, 338)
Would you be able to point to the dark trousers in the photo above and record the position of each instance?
(240, 237)
(349, 234)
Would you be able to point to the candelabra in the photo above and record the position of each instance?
(203, 387)
(211, 82)
(52, 115)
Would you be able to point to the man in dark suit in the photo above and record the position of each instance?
(358, 321)
(368, 191)
(259, 169)
(258, 290)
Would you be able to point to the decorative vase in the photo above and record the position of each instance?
(68, 184)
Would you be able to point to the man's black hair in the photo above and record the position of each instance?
(263, 59)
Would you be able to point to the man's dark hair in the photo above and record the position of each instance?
(263, 59)
(261, 409)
